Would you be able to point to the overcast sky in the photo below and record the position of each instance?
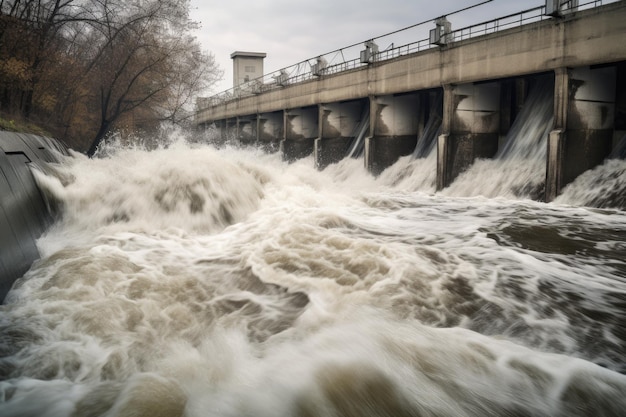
(291, 32)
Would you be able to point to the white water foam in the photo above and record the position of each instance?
(197, 282)
(603, 186)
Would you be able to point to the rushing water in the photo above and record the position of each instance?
(202, 282)
(523, 154)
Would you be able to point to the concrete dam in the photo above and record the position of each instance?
(457, 93)
(360, 238)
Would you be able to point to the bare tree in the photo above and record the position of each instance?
(88, 64)
(25, 28)
(146, 63)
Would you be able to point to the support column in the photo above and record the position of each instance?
(369, 144)
(223, 132)
(337, 125)
(301, 130)
(271, 131)
(556, 138)
(584, 122)
(590, 119)
(246, 130)
(443, 159)
(395, 130)
(230, 132)
(471, 125)
(619, 133)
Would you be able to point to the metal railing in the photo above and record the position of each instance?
(502, 23)
(306, 70)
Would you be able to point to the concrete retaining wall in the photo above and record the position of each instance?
(24, 214)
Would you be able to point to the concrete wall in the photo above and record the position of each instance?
(24, 213)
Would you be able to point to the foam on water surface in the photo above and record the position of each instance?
(202, 282)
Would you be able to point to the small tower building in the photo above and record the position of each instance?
(247, 66)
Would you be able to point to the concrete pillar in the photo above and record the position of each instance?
(271, 130)
(591, 119)
(554, 164)
(301, 130)
(223, 129)
(619, 132)
(230, 131)
(395, 125)
(247, 130)
(337, 125)
(443, 169)
(443, 172)
(582, 138)
(471, 125)
(556, 138)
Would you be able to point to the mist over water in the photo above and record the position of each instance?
(194, 281)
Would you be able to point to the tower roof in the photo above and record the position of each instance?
(248, 54)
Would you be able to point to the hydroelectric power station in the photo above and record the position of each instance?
(456, 93)
(458, 96)
(186, 278)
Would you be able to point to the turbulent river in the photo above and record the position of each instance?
(196, 281)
